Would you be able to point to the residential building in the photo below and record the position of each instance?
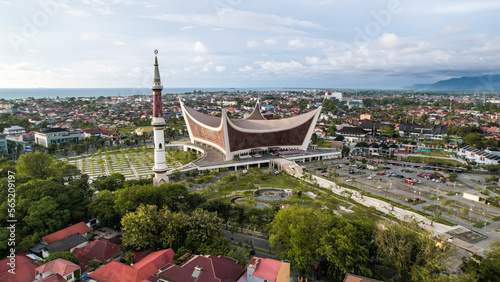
(352, 134)
(373, 128)
(57, 136)
(79, 228)
(14, 130)
(431, 132)
(203, 268)
(139, 271)
(64, 245)
(100, 250)
(476, 156)
(58, 270)
(365, 116)
(24, 269)
(355, 104)
(267, 270)
(356, 278)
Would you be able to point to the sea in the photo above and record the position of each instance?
(21, 93)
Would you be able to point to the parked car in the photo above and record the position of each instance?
(409, 200)
(381, 173)
(416, 199)
(419, 175)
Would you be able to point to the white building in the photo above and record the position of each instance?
(14, 130)
(479, 157)
(333, 95)
(57, 136)
(476, 196)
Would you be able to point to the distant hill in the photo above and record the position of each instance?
(477, 83)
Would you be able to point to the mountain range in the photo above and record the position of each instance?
(476, 83)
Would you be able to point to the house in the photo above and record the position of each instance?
(67, 244)
(204, 268)
(432, 132)
(267, 270)
(79, 228)
(100, 250)
(24, 269)
(58, 270)
(352, 134)
(477, 156)
(116, 271)
(355, 104)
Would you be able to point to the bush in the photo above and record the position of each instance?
(481, 224)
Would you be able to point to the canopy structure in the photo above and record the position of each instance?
(234, 137)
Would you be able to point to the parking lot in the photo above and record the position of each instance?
(413, 187)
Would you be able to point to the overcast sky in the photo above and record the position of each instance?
(246, 43)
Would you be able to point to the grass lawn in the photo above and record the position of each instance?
(323, 143)
(434, 161)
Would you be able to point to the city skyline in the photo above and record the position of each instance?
(236, 43)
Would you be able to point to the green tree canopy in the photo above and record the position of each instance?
(69, 256)
(37, 165)
(296, 233)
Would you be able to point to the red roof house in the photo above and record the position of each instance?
(204, 268)
(24, 269)
(116, 271)
(271, 270)
(79, 228)
(100, 250)
(59, 267)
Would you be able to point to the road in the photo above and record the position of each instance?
(258, 243)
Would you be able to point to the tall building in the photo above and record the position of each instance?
(158, 123)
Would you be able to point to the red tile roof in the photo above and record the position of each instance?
(79, 228)
(213, 269)
(265, 268)
(119, 272)
(53, 278)
(25, 270)
(100, 250)
(59, 266)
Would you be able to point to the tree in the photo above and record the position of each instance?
(103, 209)
(474, 140)
(173, 227)
(387, 131)
(345, 151)
(346, 246)
(37, 165)
(204, 234)
(69, 256)
(296, 233)
(140, 227)
(484, 269)
(129, 258)
(453, 176)
(411, 252)
(112, 182)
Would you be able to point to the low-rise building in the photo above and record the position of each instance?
(57, 136)
(265, 269)
(58, 270)
(14, 130)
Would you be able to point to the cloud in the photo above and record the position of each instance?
(252, 43)
(245, 69)
(454, 30)
(281, 67)
(238, 19)
(269, 42)
(200, 47)
(198, 59)
(296, 43)
(456, 7)
(220, 69)
(389, 40)
(79, 13)
(119, 43)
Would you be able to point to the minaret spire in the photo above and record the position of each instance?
(158, 123)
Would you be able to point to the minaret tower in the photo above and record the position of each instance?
(158, 123)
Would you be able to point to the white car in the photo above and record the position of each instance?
(370, 178)
(379, 187)
(348, 180)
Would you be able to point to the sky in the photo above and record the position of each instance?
(383, 44)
